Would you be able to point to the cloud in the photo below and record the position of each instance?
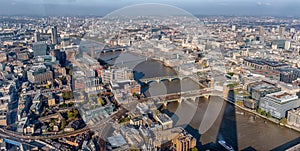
(263, 3)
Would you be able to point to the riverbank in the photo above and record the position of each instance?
(264, 117)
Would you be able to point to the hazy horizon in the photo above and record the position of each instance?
(289, 8)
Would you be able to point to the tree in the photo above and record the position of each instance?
(264, 113)
(283, 121)
(269, 115)
(47, 86)
(72, 114)
(194, 149)
(230, 73)
(259, 110)
(68, 95)
(100, 101)
(63, 124)
(232, 85)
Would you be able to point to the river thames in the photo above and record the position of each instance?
(212, 119)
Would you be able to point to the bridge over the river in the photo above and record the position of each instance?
(183, 96)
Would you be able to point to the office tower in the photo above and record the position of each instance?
(281, 31)
(39, 49)
(233, 28)
(287, 45)
(37, 36)
(54, 35)
(261, 31)
(92, 52)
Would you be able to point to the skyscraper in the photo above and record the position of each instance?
(37, 36)
(281, 31)
(287, 45)
(261, 31)
(92, 52)
(54, 35)
(39, 49)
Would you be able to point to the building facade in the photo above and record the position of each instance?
(122, 74)
(54, 35)
(39, 49)
(288, 75)
(279, 103)
(184, 142)
(293, 117)
(39, 74)
(260, 89)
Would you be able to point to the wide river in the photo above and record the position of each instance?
(212, 119)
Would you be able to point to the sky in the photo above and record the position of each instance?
(196, 7)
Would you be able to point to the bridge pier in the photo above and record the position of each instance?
(164, 105)
(179, 101)
(193, 99)
(206, 97)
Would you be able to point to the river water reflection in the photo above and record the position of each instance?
(240, 129)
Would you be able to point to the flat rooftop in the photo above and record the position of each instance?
(117, 140)
(282, 96)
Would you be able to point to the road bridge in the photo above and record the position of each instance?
(183, 96)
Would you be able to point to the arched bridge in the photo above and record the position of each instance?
(164, 78)
(181, 96)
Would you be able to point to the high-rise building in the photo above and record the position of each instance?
(39, 49)
(54, 35)
(92, 52)
(281, 31)
(287, 45)
(37, 36)
(261, 31)
(233, 28)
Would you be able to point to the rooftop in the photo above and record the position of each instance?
(282, 96)
(117, 140)
(164, 118)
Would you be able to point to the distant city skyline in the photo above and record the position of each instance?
(100, 8)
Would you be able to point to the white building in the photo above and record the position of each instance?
(122, 74)
(293, 117)
(279, 103)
